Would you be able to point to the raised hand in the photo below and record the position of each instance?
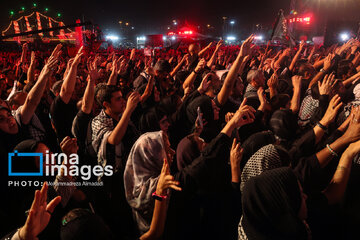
(133, 101)
(200, 66)
(39, 215)
(244, 115)
(273, 81)
(78, 56)
(246, 46)
(94, 74)
(327, 84)
(132, 54)
(219, 44)
(166, 181)
(352, 133)
(69, 145)
(236, 154)
(329, 62)
(302, 45)
(332, 110)
(205, 83)
(296, 82)
(53, 59)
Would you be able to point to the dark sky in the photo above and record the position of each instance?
(147, 14)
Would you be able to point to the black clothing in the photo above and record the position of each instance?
(62, 116)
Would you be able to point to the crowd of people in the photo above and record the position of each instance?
(221, 142)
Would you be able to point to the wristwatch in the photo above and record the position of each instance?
(322, 70)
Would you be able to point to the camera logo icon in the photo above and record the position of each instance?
(16, 156)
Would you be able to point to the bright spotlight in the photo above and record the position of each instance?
(164, 38)
(259, 37)
(344, 36)
(232, 22)
(112, 37)
(173, 38)
(231, 38)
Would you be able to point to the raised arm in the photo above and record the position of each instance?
(297, 55)
(328, 118)
(31, 70)
(120, 129)
(166, 181)
(189, 81)
(230, 78)
(201, 53)
(178, 66)
(272, 84)
(37, 91)
(295, 100)
(148, 89)
(328, 63)
(88, 100)
(214, 55)
(68, 86)
(244, 115)
(336, 189)
(351, 135)
(115, 68)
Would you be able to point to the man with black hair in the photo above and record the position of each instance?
(112, 132)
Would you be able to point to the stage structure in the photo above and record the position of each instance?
(37, 21)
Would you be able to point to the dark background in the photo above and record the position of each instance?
(148, 16)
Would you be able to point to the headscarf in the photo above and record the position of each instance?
(211, 129)
(283, 124)
(266, 158)
(149, 120)
(253, 143)
(141, 175)
(187, 151)
(271, 203)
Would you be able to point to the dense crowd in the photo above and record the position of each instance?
(221, 142)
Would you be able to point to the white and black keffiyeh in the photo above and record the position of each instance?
(102, 126)
(265, 158)
(307, 109)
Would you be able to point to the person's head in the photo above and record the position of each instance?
(162, 69)
(56, 87)
(111, 99)
(283, 123)
(17, 100)
(215, 85)
(280, 101)
(268, 216)
(7, 121)
(188, 150)
(306, 70)
(194, 49)
(345, 69)
(256, 78)
(154, 119)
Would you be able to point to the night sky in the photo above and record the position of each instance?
(144, 15)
